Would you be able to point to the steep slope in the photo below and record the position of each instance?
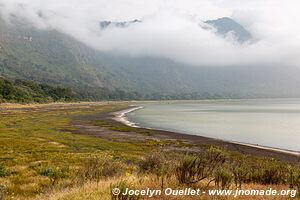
(226, 25)
(45, 56)
(106, 24)
(54, 58)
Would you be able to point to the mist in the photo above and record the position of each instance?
(172, 28)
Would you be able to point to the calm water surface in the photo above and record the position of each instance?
(272, 122)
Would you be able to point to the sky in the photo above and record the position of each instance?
(172, 28)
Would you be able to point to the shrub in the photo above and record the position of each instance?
(3, 171)
(293, 178)
(54, 173)
(152, 163)
(223, 177)
(194, 168)
(2, 192)
(157, 164)
(241, 173)
(269, 173)
(96, 168)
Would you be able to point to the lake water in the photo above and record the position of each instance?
(272, 122)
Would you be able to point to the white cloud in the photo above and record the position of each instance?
(171, 28)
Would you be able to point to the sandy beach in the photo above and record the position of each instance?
(120, 116)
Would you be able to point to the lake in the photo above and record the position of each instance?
(266, 122)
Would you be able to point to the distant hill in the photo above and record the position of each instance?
(227, 25)
(106, 24)
(223, 26)
(50, 57)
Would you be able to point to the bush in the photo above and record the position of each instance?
(3, 171)
(159, 165)
(293, 178)
(96, 168)
(54, 173)
(153, 163)
(194, 168)
(29, 91)
(2, 192)
(241, 172)
(223, 177)
(270, 173)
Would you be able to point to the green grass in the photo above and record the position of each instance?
(35, 138)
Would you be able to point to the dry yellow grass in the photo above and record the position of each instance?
(101, 190)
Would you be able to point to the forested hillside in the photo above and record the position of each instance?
(28, 91)
(52, 58)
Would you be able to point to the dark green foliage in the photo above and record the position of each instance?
(240, 171)
(54, 173)
(95, 168)
(194, 168)
(3, 171)
(29, 91)
(270, 173)
(152, 163)
(223, 178)
(293, 178)
(159, 164)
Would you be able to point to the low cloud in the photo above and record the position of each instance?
(171, 29)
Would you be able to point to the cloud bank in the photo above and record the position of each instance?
(170, 28)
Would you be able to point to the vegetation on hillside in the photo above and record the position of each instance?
(29, 91)
(50, 57)
(25, 91)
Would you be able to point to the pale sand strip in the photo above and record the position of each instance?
(120, 116)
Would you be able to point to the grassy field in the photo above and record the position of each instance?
(43, 157)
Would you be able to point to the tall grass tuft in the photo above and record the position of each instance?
(3, 170)
(195, 168)
(97, 168)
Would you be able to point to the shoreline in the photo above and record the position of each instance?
(120, 116)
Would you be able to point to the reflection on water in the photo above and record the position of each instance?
(272, 122)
